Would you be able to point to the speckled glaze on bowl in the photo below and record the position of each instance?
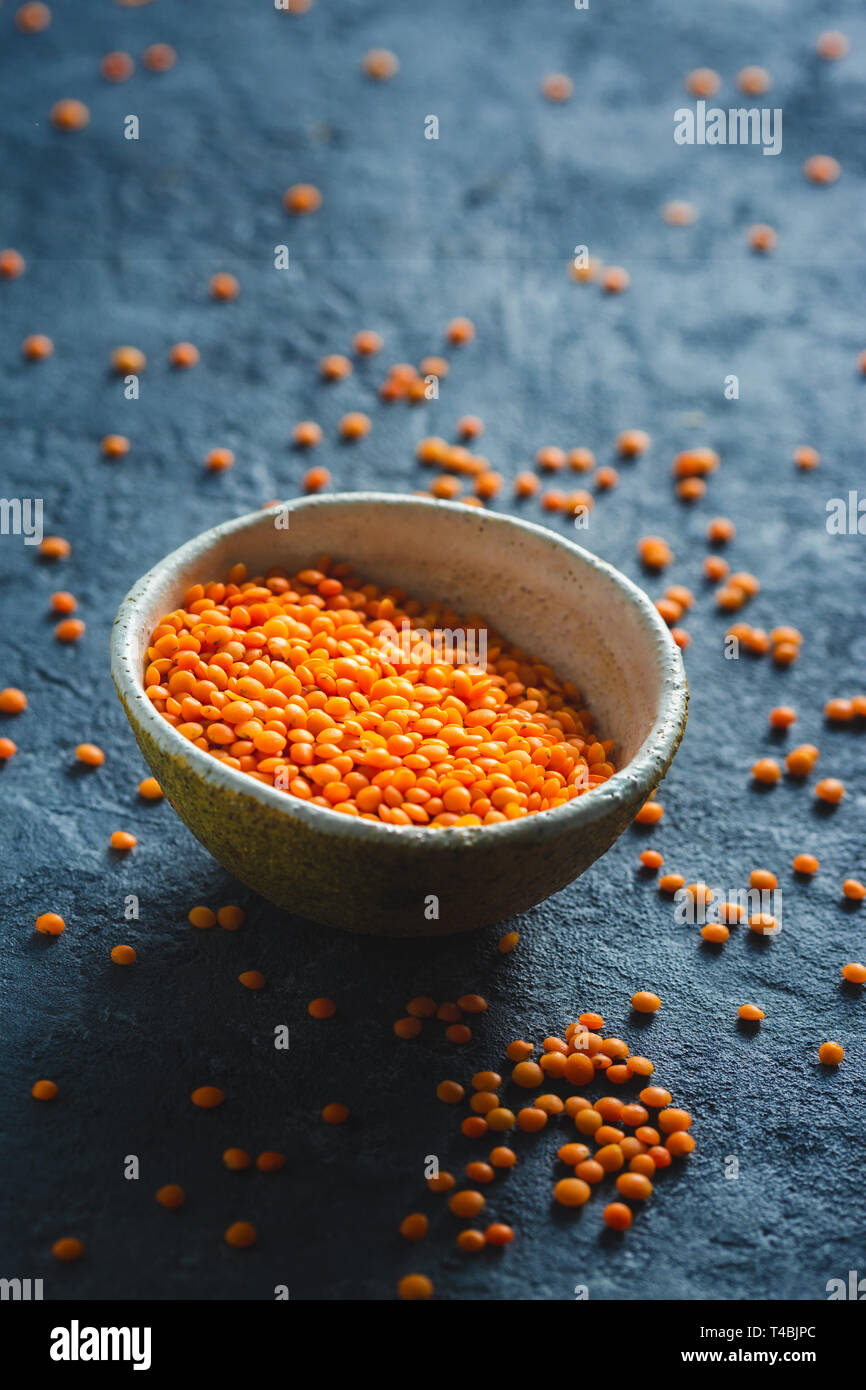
(564, 606)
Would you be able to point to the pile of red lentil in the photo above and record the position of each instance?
(575, 1061)
(286, 679)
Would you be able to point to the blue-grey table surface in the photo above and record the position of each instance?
(121, 238)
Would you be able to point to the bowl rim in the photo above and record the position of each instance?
(651, 758)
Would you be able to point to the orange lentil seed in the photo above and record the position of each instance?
(50, 924)
(183, 355)
(315, 479)
(240, 1235)
(67, 1248)
(702, 82)
(171, 1196)
(69, 114)
(207, 1097)
(89, 754)
(302, 198)
(380, 64)
(115, 446)
(830, 790)
(230, 918)
(12, 264)
(123, 841)
(201, 917)
(750, 1013)
(414, 1226)
(645, 1002)
(116, 67)
(219, 460)
(36, 347)
(413, 1288)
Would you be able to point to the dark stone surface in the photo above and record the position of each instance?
(120, 239)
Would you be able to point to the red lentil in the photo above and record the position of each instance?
(302, 198)
(219, 460)
(183, 355)
(128, 360)
(67, 1248)
(207, 1097)
(123, 840)
(822, 168)
(762, 238)
(806, 457)
(645, 1003)
(380, 64)
(702, 82)
(832, 45)
(766, 770)
(801, 760)
(117, 67)
(12, 264)
(237, 1160)
(50, 924)
(414, 1226)
(414, 1287)
(69, 114)
(171, 1196)
(115, 446)
(615, 280)
(89, 754)
(679, 213)
(557, 87)
(315, 479)
(230, 917)
(715, 932)
(37, 347)
(240, 1235)
(367, 343)
(631, 443)
(474, 1126)
(830, 790)
(654, 552)
(460, 331)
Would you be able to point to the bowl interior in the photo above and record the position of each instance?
(555, 600)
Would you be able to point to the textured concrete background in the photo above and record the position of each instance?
(121, 239)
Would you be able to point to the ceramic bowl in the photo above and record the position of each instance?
(563, 605)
